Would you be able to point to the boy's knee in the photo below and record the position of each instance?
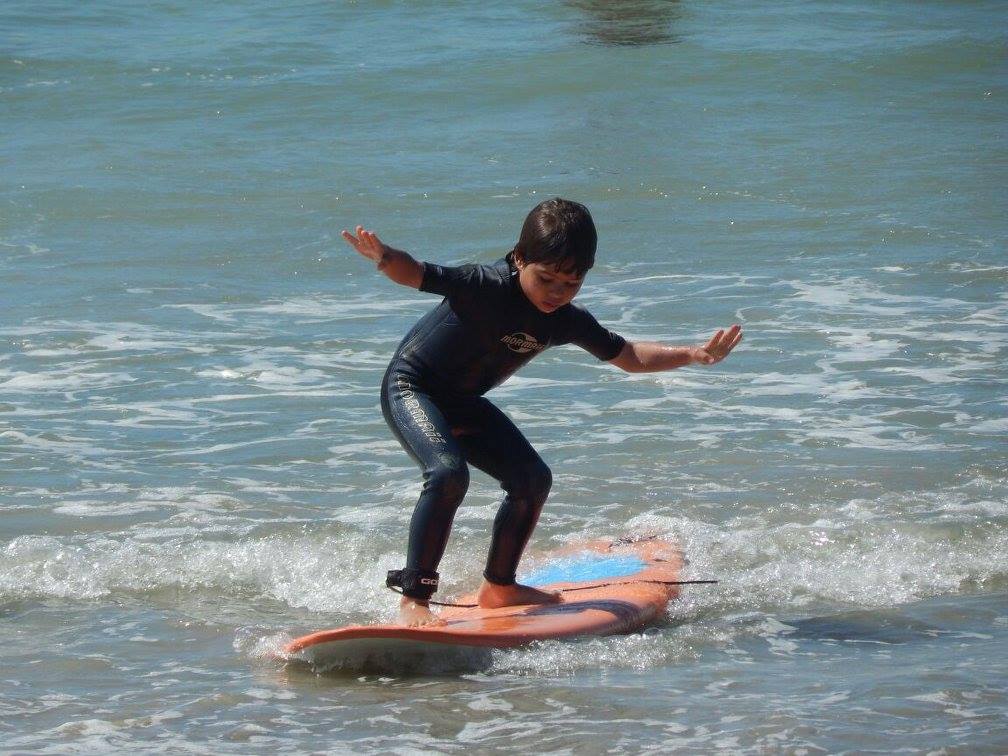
(541, 479)
(449, 480)
(532, 482)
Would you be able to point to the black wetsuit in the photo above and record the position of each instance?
(432, 398)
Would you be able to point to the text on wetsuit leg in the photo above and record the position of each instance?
(415, 411)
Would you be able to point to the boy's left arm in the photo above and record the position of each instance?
(651, 357)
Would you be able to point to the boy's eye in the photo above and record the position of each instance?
(546, 280)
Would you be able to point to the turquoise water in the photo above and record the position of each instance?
(193, 467)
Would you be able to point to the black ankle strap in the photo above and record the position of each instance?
(417, 584)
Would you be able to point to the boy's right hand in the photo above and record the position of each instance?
(366, 243)
(396, 264)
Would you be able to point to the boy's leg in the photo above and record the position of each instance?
(494, 444)
(422, 429)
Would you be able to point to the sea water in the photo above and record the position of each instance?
(194, 467)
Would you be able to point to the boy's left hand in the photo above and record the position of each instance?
(720, 344)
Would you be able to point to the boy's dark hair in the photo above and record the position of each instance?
(560, 233)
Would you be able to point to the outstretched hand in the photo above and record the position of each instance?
(399, 266)
(720, 344)
(366, 244)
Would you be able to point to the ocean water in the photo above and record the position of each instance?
(194, 468)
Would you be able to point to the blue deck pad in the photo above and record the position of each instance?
(585, 566)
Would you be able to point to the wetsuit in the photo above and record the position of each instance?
(432, 398)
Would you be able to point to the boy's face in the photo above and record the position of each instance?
(547, 287)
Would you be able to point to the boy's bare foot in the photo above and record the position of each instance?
(493, 596)
(413, 613)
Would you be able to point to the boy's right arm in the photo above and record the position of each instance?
(394, 263)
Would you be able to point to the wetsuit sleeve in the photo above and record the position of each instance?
(588, 334)
(449, 281)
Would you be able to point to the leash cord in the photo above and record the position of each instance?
(571, 590)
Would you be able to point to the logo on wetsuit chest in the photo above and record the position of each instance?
(522, 343)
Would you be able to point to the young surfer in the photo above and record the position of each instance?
(492, 320)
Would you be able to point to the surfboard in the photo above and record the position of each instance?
(607, 587)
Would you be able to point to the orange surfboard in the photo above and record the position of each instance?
(607, 587)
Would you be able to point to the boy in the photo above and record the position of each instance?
(492, 320)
